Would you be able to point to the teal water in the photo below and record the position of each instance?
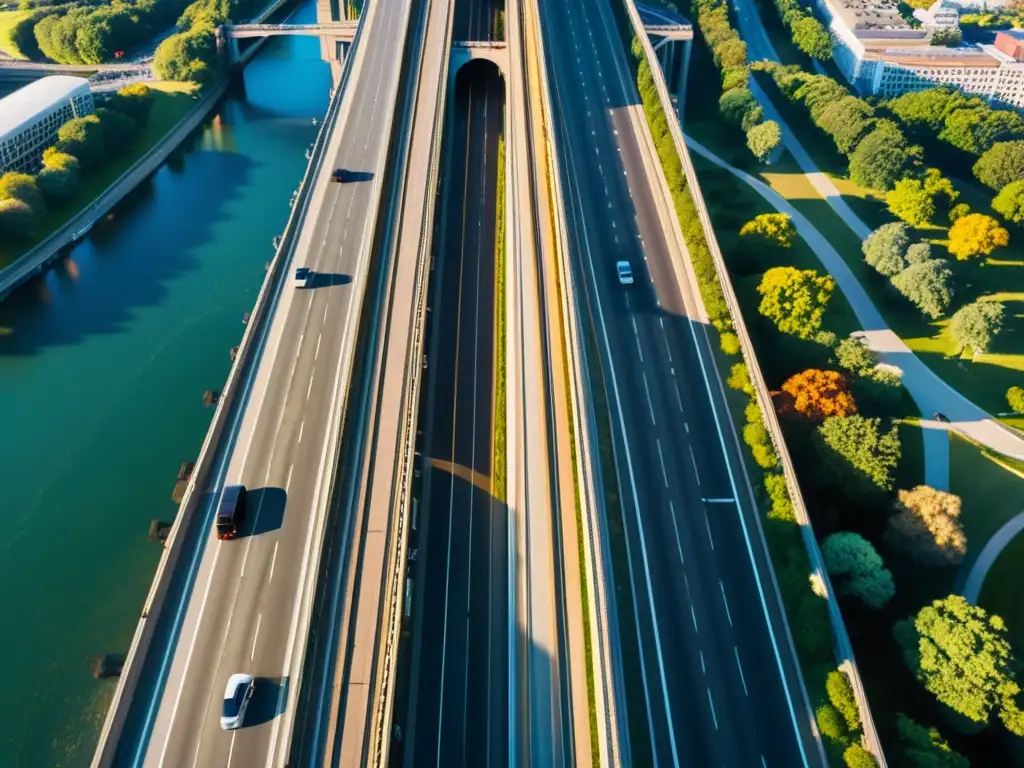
(102, 368)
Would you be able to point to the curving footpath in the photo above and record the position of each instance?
(994, 547)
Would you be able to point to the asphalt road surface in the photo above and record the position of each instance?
(719, 682)
(242, 609)
(458, 706)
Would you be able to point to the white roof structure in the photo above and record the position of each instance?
(26, 105)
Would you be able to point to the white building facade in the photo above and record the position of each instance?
(31, 116)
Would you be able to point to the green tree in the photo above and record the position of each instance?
(831, 724)
(17, 218)
(854, 355)
(82, 138)
(840, 693)
(928, 285)
(962, 656)
(977, 129)
(857, 569)
(847, 121)
(731, 53)
(773, 228)
(918, 253)
(795, 299)
(752, 117)
(937, 185)
(739, 379)
(1001, 164)
(817, 92)
(58, 183)
(949, 37)
(925, 112)
(856, 756)
(958, 211)
(136, 101)
(910, 201)
(1015, 399)
(856, 455)
(975, 325)
(21, 186)
(925, 748)
(812, 38)
(764, 138)
(119, 130)
(735, 77)
(187, 57)
(734, 105)
(882, 158)
(976, 235)
(886, 247)
(1009, 203)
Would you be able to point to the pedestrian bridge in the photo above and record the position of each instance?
(341, 30)
(465, 51)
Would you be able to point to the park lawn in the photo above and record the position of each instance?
(169, 107)
(1000, 594)
(8, 20)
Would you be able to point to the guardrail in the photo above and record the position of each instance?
(614, 742)
(247, 355)
(411, 397)
(843, 648)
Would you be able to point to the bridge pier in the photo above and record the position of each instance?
(674, 56)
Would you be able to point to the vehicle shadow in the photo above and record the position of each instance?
(355, 176)
(268, 700)
(328, 279)
(265, 510)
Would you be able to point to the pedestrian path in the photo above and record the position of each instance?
(975, 578)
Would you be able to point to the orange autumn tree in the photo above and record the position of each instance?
(818, 394)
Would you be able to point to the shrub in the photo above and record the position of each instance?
(136, 101)
(1015, 398)
(975, 325)
(855, 356)
(21, 186)
(119, 130)
(910, 201)
(734, 105)
(778, 494)
(958, 211)
(856, 454)
(817, 394)
(927, 284)
(884, 248)
(730, 343)
(857, 569)
(831, 724)
(1009, 203)
(763, 139)
(17, 218)
(739, 379)
(856, 756)
(772, 228)
(918, 253)
(1001, 164)
(82, 138)
(840, 693)
(976, 235)
(926, 525)
(795, 300)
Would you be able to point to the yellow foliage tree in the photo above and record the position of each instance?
(818, 394)
(775, 228)
(976, 235)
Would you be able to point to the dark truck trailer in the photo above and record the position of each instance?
(230, 511)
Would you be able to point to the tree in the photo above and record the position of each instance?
(926, 525)
(977, 129)
(773, 228)
(764, 138)
(840, 693)
(119, 130)
(1009, 203)
(925, 112)
(856, 455)
(858, 569)
(136, 101)
(910, 201)
(811, 38)
(831, 724)
(17, 218)
(817, 92)
(963, 657)
(937, 185)
(927, 284)
(57, 183)
(847, 121)
(735, 77)
(882, 158)
(82, 137)
(187, 57)
(976, 235)
(975, 325)
(918, 252)
(817, 394)
(950, 37)
(1001, 164)
(885, 248)
(854, 355)
(734, 105)
(925, 748)
(739, 379)
(731, 53)
(958, 211)
(795, 299)
(856, 756)
(21, 186)
(1015, 398)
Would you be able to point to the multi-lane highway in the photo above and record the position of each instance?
(720, 684)
(244, 602)
(458, 714)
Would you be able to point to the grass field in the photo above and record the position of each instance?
(170, 104)
(7, 21)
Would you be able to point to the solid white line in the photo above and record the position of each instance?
(708, 526)
(255, 637)
(712, 705)
(725, 602)
(650, 405)
(693, 458)
(742, 678)
(664, 474)
(273, 561)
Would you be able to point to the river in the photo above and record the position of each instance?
(103, 364)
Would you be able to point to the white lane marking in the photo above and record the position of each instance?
(661, 458)
(725, 602)
(302, 426)
(231, 749)
(719, 501)
(273, 561)
(675, 527)
(316, 352)
(693, 615)
(703, 668)
(707, 525)
(711, 703)
(288, 482)
(686, 426)
(310, 387)
(301, 337)
(650, 405)
(636, 337)
(693, 458)
(255, 636)
(679, 400)
(742, 678)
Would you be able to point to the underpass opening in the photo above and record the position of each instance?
(452, 682)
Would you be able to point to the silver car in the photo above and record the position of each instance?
(236, 700)
(625, 272)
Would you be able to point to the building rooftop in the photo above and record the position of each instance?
(25, 103)
(871, 15)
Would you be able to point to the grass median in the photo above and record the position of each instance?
(498, 460)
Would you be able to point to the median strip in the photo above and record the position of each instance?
(498, 459)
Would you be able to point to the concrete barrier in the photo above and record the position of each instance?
(842, 646)
(197, 489)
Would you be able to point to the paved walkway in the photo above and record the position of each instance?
(979, 570)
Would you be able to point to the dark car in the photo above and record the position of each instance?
(230, 511)
(940, 417)
(339, 175)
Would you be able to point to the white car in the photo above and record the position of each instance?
(236, 700)
(303, 277)
(625, 272)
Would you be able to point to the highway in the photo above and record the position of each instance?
(458, 713)
(720, 684)
(244, 603)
